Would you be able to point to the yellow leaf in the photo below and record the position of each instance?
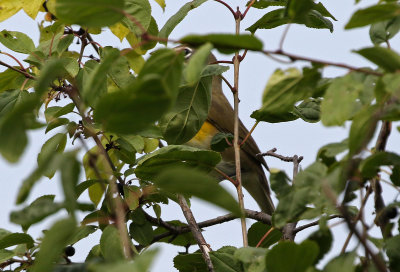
(32, 7)
(161, 3)
(9, 7)
(150, 144)
(135, 60)
(119, 30)
(135, 43)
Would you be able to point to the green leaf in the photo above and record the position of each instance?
(93, 88)
(183, 239)
(344, 262)
(262, 4)
(327, 154)
(119, 69)
(291, 257)
(141, 263)
(342, 91)
(309, 110)
(56, 123)
(172, 156)
(178, 17)
(383, 31)
(280, 183)
(191, 182)
(110, 244)
(35, 212)
(196, 64)
(257, 231)
(221, 141)
(370, 166)
(53, 244)
(6, 255)
(142, 233)
(299, 8)
(81, 233)
(135, 108)
(90, 13)
(140, 10)
(17, 41)
(393, 252)
(373, 14)
(51, 69)
(395, 176)
(306, 190)
(278, 17)
(13, 239)
(253, 259)
(9, 80)
(283, 90)
(323, 237)
(362, 129)
(214, 70)
(70, 170)
(55, 144)
(385, 58)
(145, 100)
(225, 43)
(188, 114)
(190, 262)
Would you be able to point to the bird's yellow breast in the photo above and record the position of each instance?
(203, 138)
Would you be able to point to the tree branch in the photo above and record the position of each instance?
(194, 228)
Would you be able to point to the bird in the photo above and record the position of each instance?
(221, 119)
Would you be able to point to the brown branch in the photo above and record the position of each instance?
(379, 264)
(247, 9)
(265, 236)
(229, 7)
(250, 132)
(227, 83)
(26, 74)
(379, 203)
(294, 58)
(315, 223)
(272, 153)
(234, 182)
(14, 58)
(194, 228)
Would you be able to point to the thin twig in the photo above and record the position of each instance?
(250, 132)
(284, 34)
(379, 264)
(294, 57)
(247, 9)
(234, 182)
(227, 83)
(358, 216)
(14, 58)
(204, 247)
(229, 7)
(283, 158)
(265, 236)
(315, 223)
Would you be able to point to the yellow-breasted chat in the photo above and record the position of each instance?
(221, 119)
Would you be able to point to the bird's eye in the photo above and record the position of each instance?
(188, 52)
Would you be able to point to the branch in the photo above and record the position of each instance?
(236, 145)
(194, 228)
(379, 264)
(229, 7)
(26, 74)
(315, 223)
(294, 58)
(295, 159)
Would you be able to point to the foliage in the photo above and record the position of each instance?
(129, 107)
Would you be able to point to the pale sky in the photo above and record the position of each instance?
(303, 139)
